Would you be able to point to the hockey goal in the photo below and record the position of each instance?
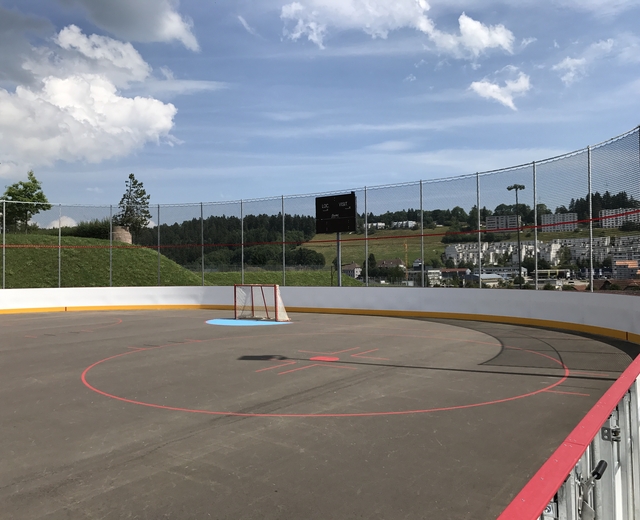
(258, 302)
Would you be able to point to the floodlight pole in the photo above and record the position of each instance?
(518, 187)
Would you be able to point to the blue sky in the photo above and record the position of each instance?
(213, 100)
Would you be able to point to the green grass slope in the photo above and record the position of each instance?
(31, 261)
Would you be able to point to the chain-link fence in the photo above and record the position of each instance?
(570, 222)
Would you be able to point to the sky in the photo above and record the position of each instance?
(213, 101)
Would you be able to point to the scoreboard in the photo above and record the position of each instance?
(336, 213)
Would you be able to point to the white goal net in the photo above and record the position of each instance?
(259, 302)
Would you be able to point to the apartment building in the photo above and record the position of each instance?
(502, 222)
(559, 222)
(614, 218)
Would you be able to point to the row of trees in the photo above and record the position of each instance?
(458, 218)
(29, 199)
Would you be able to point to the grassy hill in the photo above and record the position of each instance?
(32, 261)
(384, 244)
(84, 262)
(396, 243)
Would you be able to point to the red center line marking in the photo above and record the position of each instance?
(567, 393)
(315, 365)
(329, 353)
(282, 364)
(361, 355)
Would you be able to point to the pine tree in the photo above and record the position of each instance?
(134, 207)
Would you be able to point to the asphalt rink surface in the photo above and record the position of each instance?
(158, 414)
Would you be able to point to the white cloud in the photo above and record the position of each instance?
(76, 53)
(410, 78)
(391, 146)
(574, 69)
(526, 42)
(174, 87)
(571, 69)
(247, 27)
(141, 20)
(504, 94)
(73, 109)
(79, 117)
(313, 19)
(64, 222)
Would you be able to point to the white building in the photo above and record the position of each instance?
(503, 222)
(409, 224)
(352, 270)
(579, 248)
(377, 225)
(614, 218)
(559, 222)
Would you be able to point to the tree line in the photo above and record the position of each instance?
(458, 219)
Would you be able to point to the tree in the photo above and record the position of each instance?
(134, 206)
(30, 200)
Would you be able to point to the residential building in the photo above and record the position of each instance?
(390, 264)
(503, 222)
(559, 222)
(614, 218)
(409, 224)
(626, 269)
(352, 270)
(377, 225)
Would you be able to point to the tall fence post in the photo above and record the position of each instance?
(590, 221)
(535, 223)
(158, 245)
(110, 245)
(241, 242)
(284, 260)
(202, 240)
(59, 245)
(421, 237)
(4, 238)
(366, 240)
(479, 231)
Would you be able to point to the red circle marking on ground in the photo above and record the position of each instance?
(83, 377)
(324, 358)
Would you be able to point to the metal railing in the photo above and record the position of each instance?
(576, 212)
(595, 473)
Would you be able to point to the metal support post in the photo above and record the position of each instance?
(366, 240)
(535, 222)
(111, 246)
(421, 235)
(202, 240)
(284, 250)
(59, 245)
(158, 245)
(590, 221)
(339, 260)
(4, 240)
(241, 242)
(479, 231)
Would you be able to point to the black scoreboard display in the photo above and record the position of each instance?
(336, 213)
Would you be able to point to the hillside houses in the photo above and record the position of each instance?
(493, 252)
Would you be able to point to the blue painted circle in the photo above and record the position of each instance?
(245, 323)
